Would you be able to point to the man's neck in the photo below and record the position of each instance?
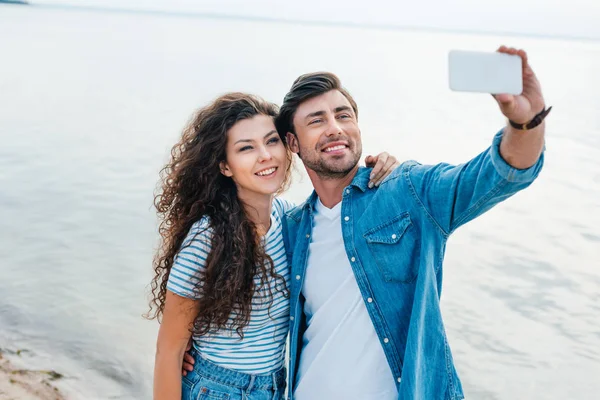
(330, 190)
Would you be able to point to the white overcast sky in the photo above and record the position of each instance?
(574, 18)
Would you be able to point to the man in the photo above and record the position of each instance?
(366, 264)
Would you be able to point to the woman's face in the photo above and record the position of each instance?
(256, 158)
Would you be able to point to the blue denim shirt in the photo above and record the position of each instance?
(395, 238)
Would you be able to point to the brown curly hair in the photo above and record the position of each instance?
(193, 188)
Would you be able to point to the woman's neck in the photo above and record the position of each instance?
(258, 209)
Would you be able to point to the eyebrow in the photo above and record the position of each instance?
(250, 140)
(321, 112)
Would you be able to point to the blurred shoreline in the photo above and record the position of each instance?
(23, 384)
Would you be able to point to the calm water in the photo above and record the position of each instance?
(90, 103)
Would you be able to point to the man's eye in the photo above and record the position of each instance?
(344, 116)
(315, 121)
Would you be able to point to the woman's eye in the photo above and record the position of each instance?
(273, 140)
(246, 148)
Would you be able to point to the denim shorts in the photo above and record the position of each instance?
(209, 381)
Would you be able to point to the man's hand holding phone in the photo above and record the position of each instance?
(523, 107)
(506, 74)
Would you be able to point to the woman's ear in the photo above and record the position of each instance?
(225, 169)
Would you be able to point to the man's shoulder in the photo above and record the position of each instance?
(401, 171)
(414, 170)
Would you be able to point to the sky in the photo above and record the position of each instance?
(565, 18)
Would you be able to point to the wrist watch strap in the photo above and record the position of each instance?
(533, 123)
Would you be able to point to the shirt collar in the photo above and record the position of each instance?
(360, 181)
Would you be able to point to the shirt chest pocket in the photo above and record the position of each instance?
(394, 246)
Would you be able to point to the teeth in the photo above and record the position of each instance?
(266, 172)
(339, 147)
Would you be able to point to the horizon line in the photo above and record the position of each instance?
(292, 21)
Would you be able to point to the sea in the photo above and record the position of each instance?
(92, 99)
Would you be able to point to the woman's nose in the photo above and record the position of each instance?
(265, 154)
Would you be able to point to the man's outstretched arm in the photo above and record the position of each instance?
(453, 195)
(522, 148)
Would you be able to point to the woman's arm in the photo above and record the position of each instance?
(173, 337)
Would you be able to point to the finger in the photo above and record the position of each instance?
(187, 367)
(183, 372)
(517, 52)
(508, 50)
(188, 346)
(377, 172)
(385, 171)
(188, 359)
(504, 99)
(389, 165)
(389, 168)
(523, 54)
(378, 165)
(370, 161)
(506, 102)
(527, 71)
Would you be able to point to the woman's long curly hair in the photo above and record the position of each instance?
(193, 188)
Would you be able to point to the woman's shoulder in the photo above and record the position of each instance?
(203, 224)
(200, 231)
(281, 206)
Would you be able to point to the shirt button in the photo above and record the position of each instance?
(353, 259)
(346, 218)
(307, 235)
(394, 236)
(347, 191)
(291, 317)
(398, 380)
(297, 277)
(370, 300)
(385, 340)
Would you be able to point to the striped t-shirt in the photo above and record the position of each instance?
(262, 349)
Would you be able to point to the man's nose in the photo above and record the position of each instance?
(333, 128)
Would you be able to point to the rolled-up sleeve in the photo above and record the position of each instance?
(508, 172)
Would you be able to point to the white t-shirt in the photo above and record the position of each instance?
(341, 356)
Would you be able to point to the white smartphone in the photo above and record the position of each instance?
(485, 72)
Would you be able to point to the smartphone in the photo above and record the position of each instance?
(485, 72)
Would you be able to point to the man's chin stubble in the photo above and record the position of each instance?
(327, 172)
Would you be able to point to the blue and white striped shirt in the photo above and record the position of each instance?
(262, 350)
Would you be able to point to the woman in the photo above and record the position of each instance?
(221, 272)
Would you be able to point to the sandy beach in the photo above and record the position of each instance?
(24, 384)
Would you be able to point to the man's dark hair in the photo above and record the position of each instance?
(306, 87)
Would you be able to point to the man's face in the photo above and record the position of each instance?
(328, 138)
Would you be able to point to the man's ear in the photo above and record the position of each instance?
(293, 142)
(225, 169)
